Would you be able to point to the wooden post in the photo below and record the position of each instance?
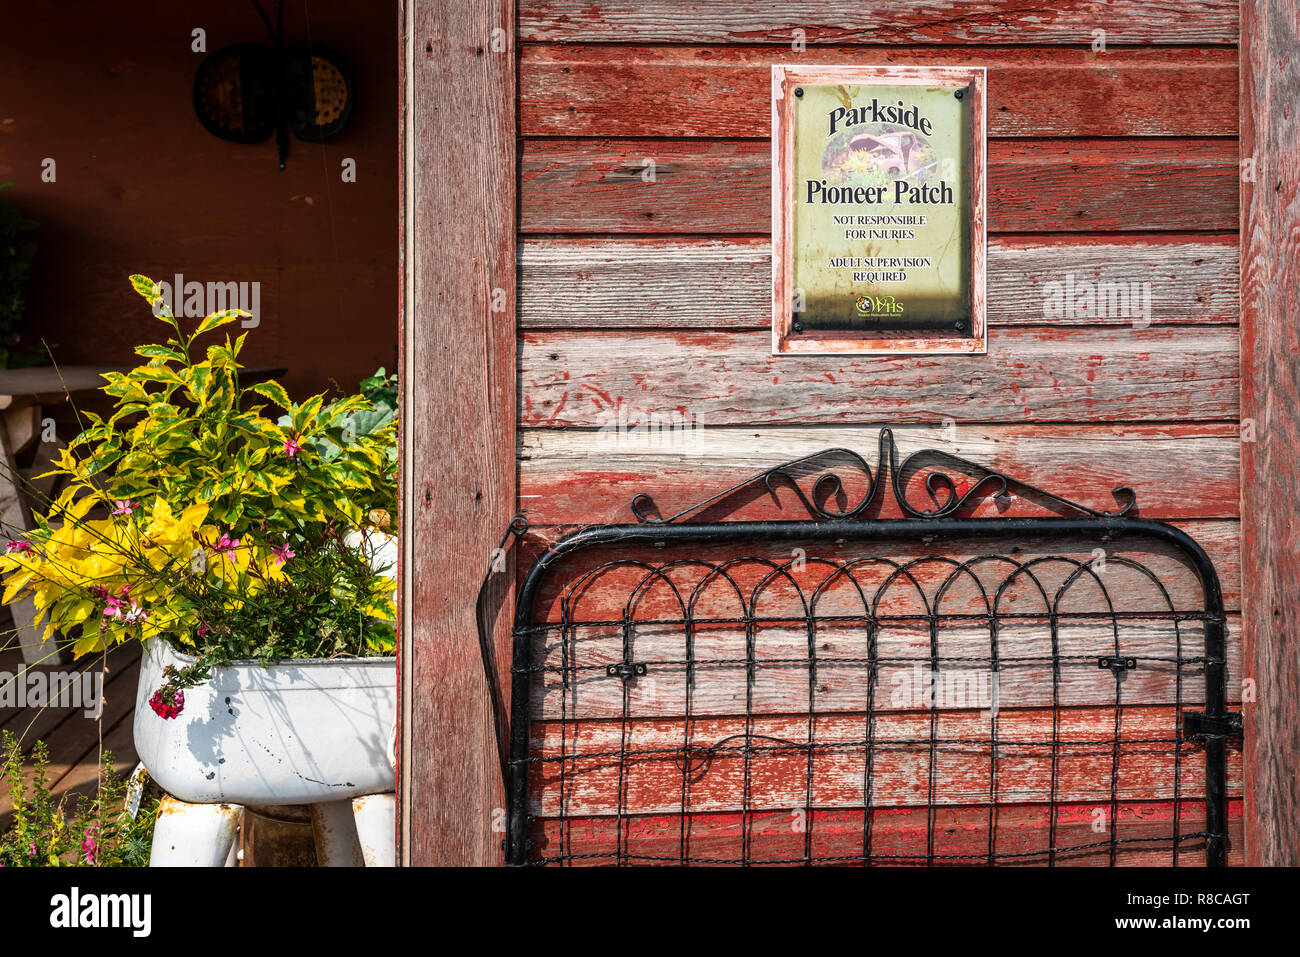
(458, 414)
(1270, 415)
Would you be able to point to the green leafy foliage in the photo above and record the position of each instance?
(232, 534)
(380, 391)
(98, 831)
(185, 429)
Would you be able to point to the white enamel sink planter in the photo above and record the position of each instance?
(305, 731)
(298, 732)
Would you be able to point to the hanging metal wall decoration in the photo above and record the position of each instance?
(245, 92)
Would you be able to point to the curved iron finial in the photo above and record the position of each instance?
(828, 485)
(946, 496)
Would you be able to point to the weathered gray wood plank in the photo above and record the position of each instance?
(879, 22)
(1035, 374)
(569, 90)
(723, 186)
(1270, 387)
(458, 404)
(721, 284)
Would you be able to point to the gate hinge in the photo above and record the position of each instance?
(1198, 724)
(1117, 664)
(626, 670)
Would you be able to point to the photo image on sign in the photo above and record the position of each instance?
(881, 225)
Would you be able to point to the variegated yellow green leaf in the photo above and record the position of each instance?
(275, 392)
(145, 287)
(218, 319)
(160, 352)
(304, 417)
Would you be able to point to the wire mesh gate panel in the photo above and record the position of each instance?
(847, 690)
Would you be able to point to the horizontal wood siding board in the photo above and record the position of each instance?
(724, 185)
(707, 91)
(573, 476)
(900, 776)
(774, 686)
(715, 284)
(879, 22)
(1219, 538)
(1033, 374)
(1129, 589)
(898, 835)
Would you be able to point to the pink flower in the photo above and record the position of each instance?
(21, 545)
(125, 506)
(292, 446)
(169, 706)
(114, 603)
(89, 846)
(120, 606)
(283, 553)
(134, 615)
(228, 545)
(31, 848)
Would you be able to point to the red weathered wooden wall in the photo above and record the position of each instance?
(1270, 398)
(643, 295)
(458, 391)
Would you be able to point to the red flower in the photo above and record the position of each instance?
(169, 705)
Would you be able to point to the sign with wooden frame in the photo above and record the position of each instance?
(878, 210)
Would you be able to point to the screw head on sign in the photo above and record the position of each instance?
(798, 91)
(957, 93)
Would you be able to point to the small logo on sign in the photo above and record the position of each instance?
(877, 307)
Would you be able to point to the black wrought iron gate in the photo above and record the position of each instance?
(848, 689)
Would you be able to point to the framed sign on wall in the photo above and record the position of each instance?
(878, 209)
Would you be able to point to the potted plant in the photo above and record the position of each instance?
(243, 551)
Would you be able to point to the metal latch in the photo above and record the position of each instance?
(1198, 724)
(626, 670)
(1117, 664)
